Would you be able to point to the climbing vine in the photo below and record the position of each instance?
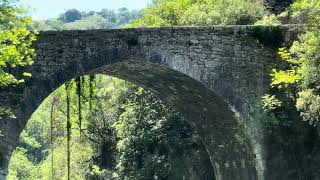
(79, 83)
(51, 135)
(91, 83)
(67, 88)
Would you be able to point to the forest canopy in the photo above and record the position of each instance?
(164, 13)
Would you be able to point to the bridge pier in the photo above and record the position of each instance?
(10, 129)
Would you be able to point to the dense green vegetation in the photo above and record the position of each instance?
(122, 131)
(299, 82)
(126, 132)
(163, 13)
(201, 13)
(15, 41)
(295, 88)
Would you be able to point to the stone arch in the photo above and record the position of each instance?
(229, 149)
(176, 63)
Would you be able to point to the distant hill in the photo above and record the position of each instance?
(105, 19)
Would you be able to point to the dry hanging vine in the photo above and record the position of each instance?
(51, 135)
(91, 80)
(68, 128)
(79, 83)
(80, 90)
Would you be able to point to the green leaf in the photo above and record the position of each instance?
(27, 74)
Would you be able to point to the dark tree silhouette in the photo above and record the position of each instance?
(71, 15)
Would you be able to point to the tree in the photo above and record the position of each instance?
(201, 13)
(86, 14)
(71, 15)
(278, 6)
(104, 19)
(15, 41)
(301, 79)
(90, 22)
(20, 166)
(123, 16)
(163, 13)
(35, 141)
(154, 140)
(109, 15)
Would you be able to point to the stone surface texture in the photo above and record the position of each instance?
(212, 76)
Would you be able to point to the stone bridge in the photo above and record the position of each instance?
(212, 76)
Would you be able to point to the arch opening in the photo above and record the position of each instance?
(52, 102)
(227, 146)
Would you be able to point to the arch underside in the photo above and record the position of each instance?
(229, 149)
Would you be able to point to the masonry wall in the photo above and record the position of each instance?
(234, 62)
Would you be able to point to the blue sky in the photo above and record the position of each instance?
(44, 9)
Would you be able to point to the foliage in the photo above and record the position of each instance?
(15, 42)
(213, 12)
(270, 20)
(266, 116)
(124, 119)
(96, 171)
(124, 16)
(305, 12)
(284, 78)
(6, 111)
(153, 139)
(80, 153)
(20, 165)
(309, 105)
(90, 22)
(74, 19)
(276, 109)
(201, 13)
(162, 13)
(141, 122)
(71, 15)
(270, 102)
(301, 78)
